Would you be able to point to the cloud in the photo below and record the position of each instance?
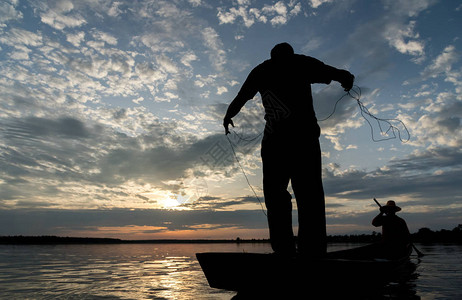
(216, 53)
(115, 69)
(8, 12)
(442, 64)
(313, 44)
(195, 2)
(372, 40)
(219, 204)
(115, 10)
(19, 37)
(90, 164)
(412, 176)
(336, 113)
(221, 90)
(76, 39)
(278, 14)
(227, 17)
(407, 8)
(105, 37)
(50, 154)
(166, 64)
(440, 123)
(60, 15)
(65, 222)
(404, 39)
(317, 3)
(400, 35)
(157, 162)
(188, 58)
(436, 118)
(35, 127)
(440, 112)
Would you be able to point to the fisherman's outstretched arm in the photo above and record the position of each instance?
(345, 78)
(247, 92)
(235, 106)
(233, 109)
(322, 73)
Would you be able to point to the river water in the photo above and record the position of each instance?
(171, 271)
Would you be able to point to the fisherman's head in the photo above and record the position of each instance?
(281, 51)
(391, 208)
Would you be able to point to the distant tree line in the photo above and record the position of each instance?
(55, 240)
(423, 235)
(426, 235)
(52, 240)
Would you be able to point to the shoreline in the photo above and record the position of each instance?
(424, 235)
(56, 240)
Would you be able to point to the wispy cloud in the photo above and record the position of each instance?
(60, 15)
(128, 224)
(9, 12)
(442, 64)
(277, 14)
(215, 51)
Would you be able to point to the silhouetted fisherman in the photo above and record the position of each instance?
(395, 233)
(290, 146)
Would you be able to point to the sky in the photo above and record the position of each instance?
(111, 114)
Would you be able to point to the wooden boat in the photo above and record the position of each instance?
(337, 271)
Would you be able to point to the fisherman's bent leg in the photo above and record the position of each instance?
(309, 193)
(278, 204)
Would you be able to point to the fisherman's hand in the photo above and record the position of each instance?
(226, 122)
(382, 209)
(347, 81)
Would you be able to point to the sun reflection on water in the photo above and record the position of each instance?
(104, 271)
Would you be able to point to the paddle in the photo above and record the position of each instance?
(419, 254)
(377, 202)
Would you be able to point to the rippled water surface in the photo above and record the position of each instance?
(168, 271)
(439, 272)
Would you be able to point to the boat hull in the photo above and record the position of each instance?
(343, 269)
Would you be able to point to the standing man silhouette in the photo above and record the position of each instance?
(290, 147)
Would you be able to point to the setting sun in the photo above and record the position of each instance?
(169, 203)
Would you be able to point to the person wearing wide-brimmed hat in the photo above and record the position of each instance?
(395, 233)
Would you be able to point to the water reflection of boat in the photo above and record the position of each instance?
(339, 273)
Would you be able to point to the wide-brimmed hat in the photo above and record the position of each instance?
(391, 205)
